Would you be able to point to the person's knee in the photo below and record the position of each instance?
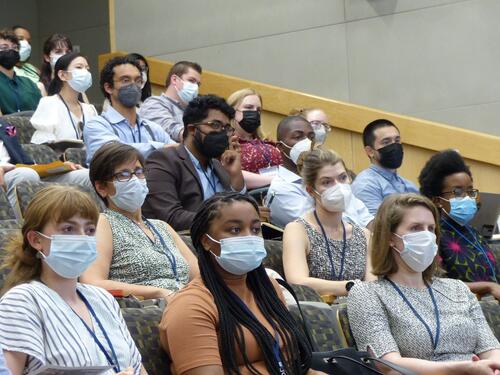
(80, 176)
(23, 174)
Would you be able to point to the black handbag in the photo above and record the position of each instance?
(346, 361)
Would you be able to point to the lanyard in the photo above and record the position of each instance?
(132, 133)
(75, 128)
(390, 182)
(170, 255)
(276, 343)
(476, 244)
(112, 361)
(211, 182)
(329, 251)
(434, 340)
(264, 150)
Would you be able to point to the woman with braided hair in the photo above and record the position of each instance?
(232, 319)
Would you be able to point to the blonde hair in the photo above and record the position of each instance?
(302, 112)
(310, 163)
(54, 204)
(236, 98)
(389, 216)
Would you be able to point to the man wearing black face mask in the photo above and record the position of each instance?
(383, 146)
(208, 162)
(16, 93)
(121, 83)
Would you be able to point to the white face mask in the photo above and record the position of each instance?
(320, 134)
(298, 148)
(24, 50)
(336, 198)
(53, 60)
(81, 80)
(144, 77)
(419, 251)
(188, 92)
(130, 195)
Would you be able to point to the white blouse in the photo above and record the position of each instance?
(36, 321)
(52, 120)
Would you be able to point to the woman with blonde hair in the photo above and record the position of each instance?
(410, 316)
(259, 157)
(47, 318)
(324, 249)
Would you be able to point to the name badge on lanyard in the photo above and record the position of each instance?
(269, 170)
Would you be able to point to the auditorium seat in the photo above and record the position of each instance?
(343, 324)
(23, 126)
(41, 154)
(491, 311)
(6, 211)
(76, 155)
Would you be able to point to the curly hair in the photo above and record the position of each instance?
(108, 72)
(437, 168)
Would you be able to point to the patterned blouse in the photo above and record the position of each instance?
(319, 262)
(381, 320)
(138, 260)
(465, 254)
(258, 154)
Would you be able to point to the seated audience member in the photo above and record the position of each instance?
(320, 249)
(465, 255)
(54, 47)
(47, 318)
(139, 256)
(23, 68)
(259, 157)
(167, 109)
(233, 318)
(319, 122)
(61, 116)
(11, 153)
(16, 93)
(121, 83)
(383, 146)
(409, 316)
(287, 197)
(207, 162)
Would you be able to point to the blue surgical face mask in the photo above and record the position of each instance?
(81, 80)
(188, 92)
(240, 255)
(130, 195)
(70, 255)
(462, 210)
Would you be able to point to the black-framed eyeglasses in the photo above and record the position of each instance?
(218, 126)
(460, 193)
(126, 175)
(327, 126)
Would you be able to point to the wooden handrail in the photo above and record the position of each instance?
(351, 117)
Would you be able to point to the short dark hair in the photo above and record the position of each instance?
(369, 131)
(180, 68)
(285, 123)
(107, 73)
(8, 34)
(62, 63)
(437, 168)
(197, 109)
(107, 158)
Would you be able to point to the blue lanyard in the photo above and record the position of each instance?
(276, 343)
(434, 340)
(329, 251)
(264, 151)
(112, 361)
(132, 132)
(170, 255)
(390, 182)
(476, 244)
(71, 117)
(211, 182)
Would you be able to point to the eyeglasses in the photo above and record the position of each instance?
(126, 175)
(327, 126)
(6, 47)
(218, 126)
(125, 81)
(460, 193)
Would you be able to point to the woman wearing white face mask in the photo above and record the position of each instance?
(409, 316)
(135, 255)
(321, 249)
(61, 115)
(232, 318)
(47, 318)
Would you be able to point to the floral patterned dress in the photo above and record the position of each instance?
(257, 154)
(465, 255)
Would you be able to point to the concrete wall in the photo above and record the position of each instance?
(86, 23)
(435, 59)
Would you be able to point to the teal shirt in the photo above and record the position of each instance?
(18, 94)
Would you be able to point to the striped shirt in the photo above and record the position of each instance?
(36, 321)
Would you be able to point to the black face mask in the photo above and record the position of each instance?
(391, 156)
(9, 58)
(250, 121)
(214, 144)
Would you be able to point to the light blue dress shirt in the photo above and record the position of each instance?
(375, 183)
(110, 126)
(288, 200)
(3, 367)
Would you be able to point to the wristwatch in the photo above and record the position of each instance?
(349, 285)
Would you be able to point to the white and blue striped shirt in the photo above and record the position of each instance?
(35, 320)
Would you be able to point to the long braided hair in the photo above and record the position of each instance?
(296, 356)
